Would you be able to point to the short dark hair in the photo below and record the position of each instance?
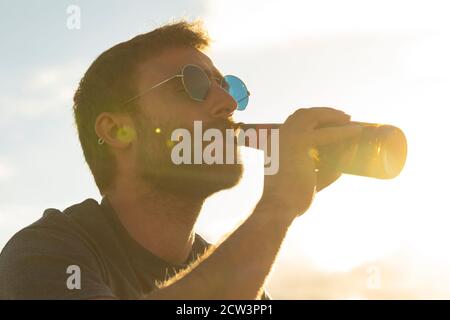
(110, 81)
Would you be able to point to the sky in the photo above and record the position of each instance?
(380, 61)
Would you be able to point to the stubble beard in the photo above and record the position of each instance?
(196, 181)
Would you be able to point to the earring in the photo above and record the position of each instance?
(100, 141)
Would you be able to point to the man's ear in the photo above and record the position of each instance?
(115, 129)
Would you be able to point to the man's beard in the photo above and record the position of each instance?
(156, 168)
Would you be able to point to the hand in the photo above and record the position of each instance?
(299, 178)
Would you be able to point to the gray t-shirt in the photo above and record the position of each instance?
(83, 252)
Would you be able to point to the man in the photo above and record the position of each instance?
(139, 242)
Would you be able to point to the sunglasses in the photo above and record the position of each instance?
(196, 83)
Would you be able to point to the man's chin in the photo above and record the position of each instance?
(197, 181)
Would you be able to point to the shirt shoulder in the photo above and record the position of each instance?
(37, 261)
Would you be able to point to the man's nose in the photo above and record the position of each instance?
(221, 104)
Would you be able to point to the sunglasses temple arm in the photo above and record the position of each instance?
(150, 89)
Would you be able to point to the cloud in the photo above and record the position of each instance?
(255, 22)
(6, 170)
(397, 276)
(46, 89)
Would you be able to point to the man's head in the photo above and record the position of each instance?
(135, 136)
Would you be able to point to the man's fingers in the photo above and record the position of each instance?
(330, 135)
(313, 118)
(326, 176)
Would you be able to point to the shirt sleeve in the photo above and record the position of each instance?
(43, 263)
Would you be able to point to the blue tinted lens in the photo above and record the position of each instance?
(237, 89)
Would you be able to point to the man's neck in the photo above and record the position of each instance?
(162, 223)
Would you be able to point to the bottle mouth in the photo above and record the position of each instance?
(380, 152)
(393, 151)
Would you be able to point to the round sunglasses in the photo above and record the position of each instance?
(196, 83)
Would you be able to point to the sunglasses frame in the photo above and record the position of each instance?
(184, 85)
